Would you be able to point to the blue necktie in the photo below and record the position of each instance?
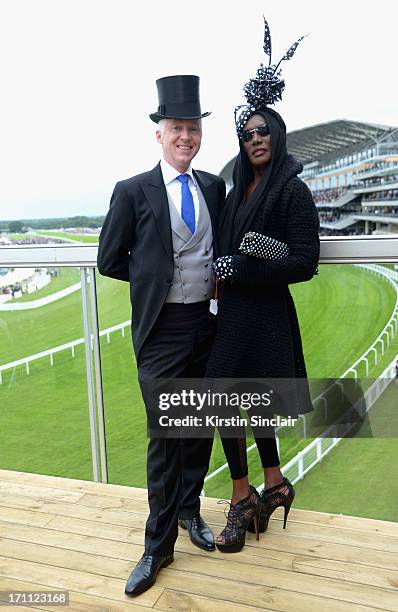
(187, 206)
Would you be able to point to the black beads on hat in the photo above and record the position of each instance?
(267, 86)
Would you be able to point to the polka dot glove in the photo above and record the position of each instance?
(224, 267)
(263, 247)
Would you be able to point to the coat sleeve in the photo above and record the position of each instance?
(302, 240)
(117, 236)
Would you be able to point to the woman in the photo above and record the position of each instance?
(258, 334)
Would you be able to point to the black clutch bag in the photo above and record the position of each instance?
(263, 247)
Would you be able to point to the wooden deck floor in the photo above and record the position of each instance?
(85, 538)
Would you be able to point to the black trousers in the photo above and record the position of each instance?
(177, 347)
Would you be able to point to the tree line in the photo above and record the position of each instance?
(23, 225)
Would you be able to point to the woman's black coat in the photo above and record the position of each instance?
(258, 334)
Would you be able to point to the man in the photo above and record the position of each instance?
(160, 234)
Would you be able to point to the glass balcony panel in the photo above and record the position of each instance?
(44, 423)
(125, 421)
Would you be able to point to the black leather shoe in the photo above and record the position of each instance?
(201, 535)
(144, 574)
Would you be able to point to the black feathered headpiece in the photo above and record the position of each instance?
(267, 87)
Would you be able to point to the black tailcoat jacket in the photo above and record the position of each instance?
(135, 244)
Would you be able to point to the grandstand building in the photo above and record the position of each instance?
(352, 171)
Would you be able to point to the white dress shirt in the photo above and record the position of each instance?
(173, 187)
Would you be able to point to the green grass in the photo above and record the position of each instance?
(24, 333)
(51, 424)
(349, 478)
(341, 312)
(357, 478)
(66, 278)
(14, 237)
(70, 236)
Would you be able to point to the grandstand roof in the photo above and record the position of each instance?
(334, 138)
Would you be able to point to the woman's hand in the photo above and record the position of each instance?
(224, 267)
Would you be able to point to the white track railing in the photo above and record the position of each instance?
(391, 326)
(44, 301)
(312, 454)
(62, 347)
(318, 448)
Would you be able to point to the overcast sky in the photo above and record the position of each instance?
(78, 81)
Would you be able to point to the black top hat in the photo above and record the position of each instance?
(178, 98)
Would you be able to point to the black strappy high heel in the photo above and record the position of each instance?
(281, 494)
(240, 515)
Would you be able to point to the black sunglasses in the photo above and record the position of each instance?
(262, 130)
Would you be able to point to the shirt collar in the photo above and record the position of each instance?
(170, 174)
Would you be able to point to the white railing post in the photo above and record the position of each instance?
(300, 465)
(318, 449)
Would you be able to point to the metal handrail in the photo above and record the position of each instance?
(336, 249)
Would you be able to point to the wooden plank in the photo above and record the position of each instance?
(212, 567)
(100, 530)
(78, 602)
(37, 491)
(304, 563)
(213, 513)
(86, 536)
(68, 559)
(340, 521)
(273, 544)
(69, 484)
(324, 518)
(71, 541)
(101, 561)
(26, 517)
(137, 522)
(115, 517)
(231, 589)
(276, 600)
(5, 586)
(289, 580)
(266, 596)
(137, 494)
(106, 502)
(66, 579)
(347, 537)
(312, 533)
(176, 600)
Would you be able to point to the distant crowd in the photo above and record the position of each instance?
(388, 211)
(387, 194)
(377, 180)
(328, 195)
(376, 166)
(26, 240)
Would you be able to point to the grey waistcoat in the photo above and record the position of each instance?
(193, 256)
